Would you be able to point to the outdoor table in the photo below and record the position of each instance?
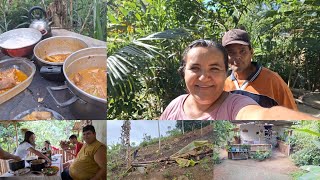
(31, 176)
(28, 98)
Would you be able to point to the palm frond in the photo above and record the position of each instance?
(136, 54)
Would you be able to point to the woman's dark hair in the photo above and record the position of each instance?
(27, 136)
(202, 43)
(48, 142)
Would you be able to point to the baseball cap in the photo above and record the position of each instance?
(236, 36)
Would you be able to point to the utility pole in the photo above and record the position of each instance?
(159, 135)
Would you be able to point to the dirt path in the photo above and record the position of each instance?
(278, 167)
(309, 110)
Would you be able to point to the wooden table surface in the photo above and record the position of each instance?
(31, 97)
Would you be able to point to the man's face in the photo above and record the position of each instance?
(239, 57)
(73, 140)
(89, 137)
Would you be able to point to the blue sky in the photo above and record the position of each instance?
(138, 128)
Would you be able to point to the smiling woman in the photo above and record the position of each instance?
(204, 69)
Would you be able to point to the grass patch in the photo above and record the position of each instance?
(167, 174)
(295, 175)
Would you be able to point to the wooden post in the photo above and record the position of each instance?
(71, 14)
(159, 135)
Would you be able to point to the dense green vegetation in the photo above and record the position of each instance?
(306, 146)
(87, 17)
(306, 149)
(54, 131)
(146, 39)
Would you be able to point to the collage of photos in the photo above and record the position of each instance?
(159, 90)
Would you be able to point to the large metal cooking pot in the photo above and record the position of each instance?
(57, 45)
(53, 46)
(83, 105)
(16, 165)
(19, 42)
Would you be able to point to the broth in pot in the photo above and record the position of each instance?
(92, 81)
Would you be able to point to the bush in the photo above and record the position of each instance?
(216, 157)
(307, 156)
(260, 156)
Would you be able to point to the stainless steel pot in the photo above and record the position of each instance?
(83, 105)
(52, 46)
(56, 45)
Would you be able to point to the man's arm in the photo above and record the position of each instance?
(5, 155)
(100, 159)
(255, 112)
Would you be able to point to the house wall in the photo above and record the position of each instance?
(251, 134)
(100, 127)
(279, 130)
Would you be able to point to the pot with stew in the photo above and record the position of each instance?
(86, 78)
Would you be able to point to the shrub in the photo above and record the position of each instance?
(307, 156)
(260, 156)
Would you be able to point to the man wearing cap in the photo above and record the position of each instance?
(249, 78)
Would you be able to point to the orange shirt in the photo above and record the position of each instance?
(267, 83)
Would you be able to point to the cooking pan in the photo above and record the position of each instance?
(19, 42)
(37, 165)
(52, 46)
(56, 45)
(23, 65)
(55, 115)
(16, 165)
(83, 105)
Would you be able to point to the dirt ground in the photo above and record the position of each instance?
(162, 171)
(278, 167)
(309, 110)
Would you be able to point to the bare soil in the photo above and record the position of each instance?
(163, 171)
(278, 167)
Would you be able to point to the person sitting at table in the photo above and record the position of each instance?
(77, 147)
(47, 149)
(5, 155)
(90, 162)
(28, 145)
(204, 69)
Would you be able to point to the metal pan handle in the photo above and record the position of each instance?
(59, 88)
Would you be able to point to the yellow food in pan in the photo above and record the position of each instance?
(38, 115)
(10, 78)
(57, 57)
